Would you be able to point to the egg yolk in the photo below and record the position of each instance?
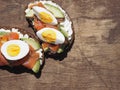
(45, 17)
(13, 50)
(49, 36)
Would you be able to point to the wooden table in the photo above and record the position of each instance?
(94, 60)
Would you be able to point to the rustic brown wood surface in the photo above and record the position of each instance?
(94, 60)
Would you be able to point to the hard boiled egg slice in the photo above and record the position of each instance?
(14, 49)
(51, 35)
(44, 15)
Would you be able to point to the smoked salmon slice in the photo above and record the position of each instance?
(3, 61)
(33, 57)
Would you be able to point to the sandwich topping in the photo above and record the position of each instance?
(19, 49)
(51, 24)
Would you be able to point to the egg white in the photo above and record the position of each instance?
(24, 49)
(37, 10)
(59, 36)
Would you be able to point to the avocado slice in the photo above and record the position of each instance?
(63, 31)
(61, 49)
(36, 67)
(2, 33)
(32, 42)
(55, 10)
(46, 49)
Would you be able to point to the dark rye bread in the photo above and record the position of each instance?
(31, 35)
(67, 46)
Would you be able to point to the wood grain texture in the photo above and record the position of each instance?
(94, 60)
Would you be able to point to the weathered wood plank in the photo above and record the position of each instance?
(93, 62)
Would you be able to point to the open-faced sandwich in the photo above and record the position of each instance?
(20, 49)
(51, 24)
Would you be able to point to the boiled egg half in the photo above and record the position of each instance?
(14, 49)
(51, 35)
(44, 15)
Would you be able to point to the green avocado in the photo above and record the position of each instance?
(36, 67)
(63, 31)
(55, 10)
(46, 49)
(61, 49)
(2, 33)
(32, 42)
